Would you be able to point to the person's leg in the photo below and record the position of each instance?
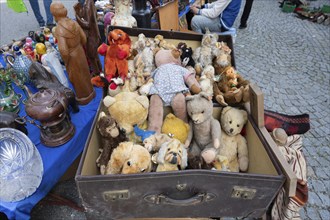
(35, 7)
(246, 13)
(199, 23)
(49, 15)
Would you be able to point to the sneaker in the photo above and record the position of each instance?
(50, 26)
(242, 26)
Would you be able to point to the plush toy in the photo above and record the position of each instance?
(221, 163)
(186, 55)
(232, 89)
(129, 158)
(204, 135)
(175, 127)
(128, 109)
(171, 80)
(206, 80)
(154, 142)
(172, 156)
(205, 54)
(115, 62)
(111, 136)
(233, 144)
(161, 43)
(223, 58)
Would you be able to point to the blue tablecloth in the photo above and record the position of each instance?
(55, 160)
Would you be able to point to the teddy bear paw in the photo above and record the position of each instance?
(209, 155)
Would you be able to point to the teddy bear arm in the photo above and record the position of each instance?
(190, 135)
(242, 152)
(216, 133)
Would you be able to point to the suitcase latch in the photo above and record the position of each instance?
(109, 196)
(241, 192)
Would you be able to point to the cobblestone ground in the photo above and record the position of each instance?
(289, 59)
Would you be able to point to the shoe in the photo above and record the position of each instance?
(242, 26)
(50, 26)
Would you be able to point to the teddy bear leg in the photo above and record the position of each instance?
(220, 99)
(155, 117)
(179, 107)
(209, 155)
(246, 93)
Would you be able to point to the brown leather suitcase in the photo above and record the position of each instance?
(188, 193)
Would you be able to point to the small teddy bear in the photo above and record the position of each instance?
(186, 55)
(231, 89)
(205, 132)
(111, 136)
(172, 156)
(233, 144)
(129, 158)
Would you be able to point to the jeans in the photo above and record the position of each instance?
(35, 7)
(199, 23)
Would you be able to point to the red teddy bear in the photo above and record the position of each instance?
(115, 62)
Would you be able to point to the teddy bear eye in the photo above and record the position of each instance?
(129, 163)
(238, 126)
(230, 122)
(202, 112)
(168, 149)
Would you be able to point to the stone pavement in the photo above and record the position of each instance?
(289, 59)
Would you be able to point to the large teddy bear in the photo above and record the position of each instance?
(233, 144)
(171, 81)
(115, 62)
(204, 135)
(128, 109)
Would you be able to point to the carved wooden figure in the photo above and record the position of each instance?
(86, 18)
(71, 38)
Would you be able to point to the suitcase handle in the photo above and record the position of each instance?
(196, 199)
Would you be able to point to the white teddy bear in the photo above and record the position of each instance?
(233, 144)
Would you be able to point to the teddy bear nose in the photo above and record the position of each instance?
(231, 130)
(174, 154)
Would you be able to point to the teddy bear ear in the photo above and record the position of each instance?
(108, 101)
(189, 98)
(102, 114)
(225, 109)
(204, 95)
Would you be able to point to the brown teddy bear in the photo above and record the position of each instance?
(171, 81)
(204, 136)
(129, 158)
(111, 136)
(231, 89)
(233, 144)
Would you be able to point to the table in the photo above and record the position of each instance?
(55, 160)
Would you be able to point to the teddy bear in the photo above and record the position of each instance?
(175, 127)
(204, 54)
(222, 59)
(171, 81)
(128, 109)
(111, 136)
(129, 158)
(172, 156)
(233, 144)
(116, 54)
(205, 132)
(231, 89)
(161, 43)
